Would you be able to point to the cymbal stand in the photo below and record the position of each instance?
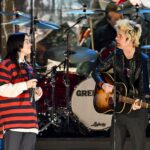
(114, 120)
(33, 55)
(32, 32)
(51, 112)
(66, 77)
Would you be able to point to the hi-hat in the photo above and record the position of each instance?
(38, 23)
(77, 55)
(145, 47)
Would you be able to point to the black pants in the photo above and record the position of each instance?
(134, 125)
(19, 140)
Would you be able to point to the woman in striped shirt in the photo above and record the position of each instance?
(18, 117)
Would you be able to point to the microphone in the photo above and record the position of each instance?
(85, 36)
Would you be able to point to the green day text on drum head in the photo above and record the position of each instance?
(85, 93)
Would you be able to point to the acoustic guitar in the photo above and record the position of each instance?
(104, 102)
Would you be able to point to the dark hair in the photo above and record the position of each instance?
(14, 44)
(111, 7)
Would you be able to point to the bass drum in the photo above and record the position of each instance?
(83, 107)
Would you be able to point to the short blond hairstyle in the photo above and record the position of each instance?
(132, 30)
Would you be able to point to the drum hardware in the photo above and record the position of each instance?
(53, 69)
(67, 95)
(43, 122)
(67, 60)
(54, 116)
(145, 46)
(51, 114)
(85, 11)
(76, 55)
(66, 82)
(38, 23)
(29, 20)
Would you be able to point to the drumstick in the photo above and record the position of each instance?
(85, 35)
(91, 28)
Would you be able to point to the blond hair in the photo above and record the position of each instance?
(132, 30)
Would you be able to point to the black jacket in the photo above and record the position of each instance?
(138, 70)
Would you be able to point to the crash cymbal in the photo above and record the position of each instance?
(84, 12)
(145, 47)
(77, 55)
(46, 25)
(38, 23)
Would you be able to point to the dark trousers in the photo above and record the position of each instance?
(133, 125)
(19, 140)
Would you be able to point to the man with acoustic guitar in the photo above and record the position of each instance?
(129, 87)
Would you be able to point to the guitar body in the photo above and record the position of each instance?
(104, 102)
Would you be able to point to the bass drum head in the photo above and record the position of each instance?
(83, 107)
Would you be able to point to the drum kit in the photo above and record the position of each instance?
(67, 95)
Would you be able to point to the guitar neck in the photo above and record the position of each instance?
(131, 101)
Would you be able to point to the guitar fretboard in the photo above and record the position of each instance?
(131, 101)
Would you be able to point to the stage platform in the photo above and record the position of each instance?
(83, 143)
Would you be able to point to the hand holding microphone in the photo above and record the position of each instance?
(31, 83)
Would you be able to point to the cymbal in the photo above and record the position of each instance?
(127, 10)
(134, 10)
(84, 12)
(15, 13)
(143, 11)
(38, 23)
(145, 47)
(77, 55)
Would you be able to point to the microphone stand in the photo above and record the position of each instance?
(66, 76)
(114, 102)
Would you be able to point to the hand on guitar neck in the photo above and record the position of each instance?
(137, 104)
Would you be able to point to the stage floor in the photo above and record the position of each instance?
(83, 143)
(77, 138)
